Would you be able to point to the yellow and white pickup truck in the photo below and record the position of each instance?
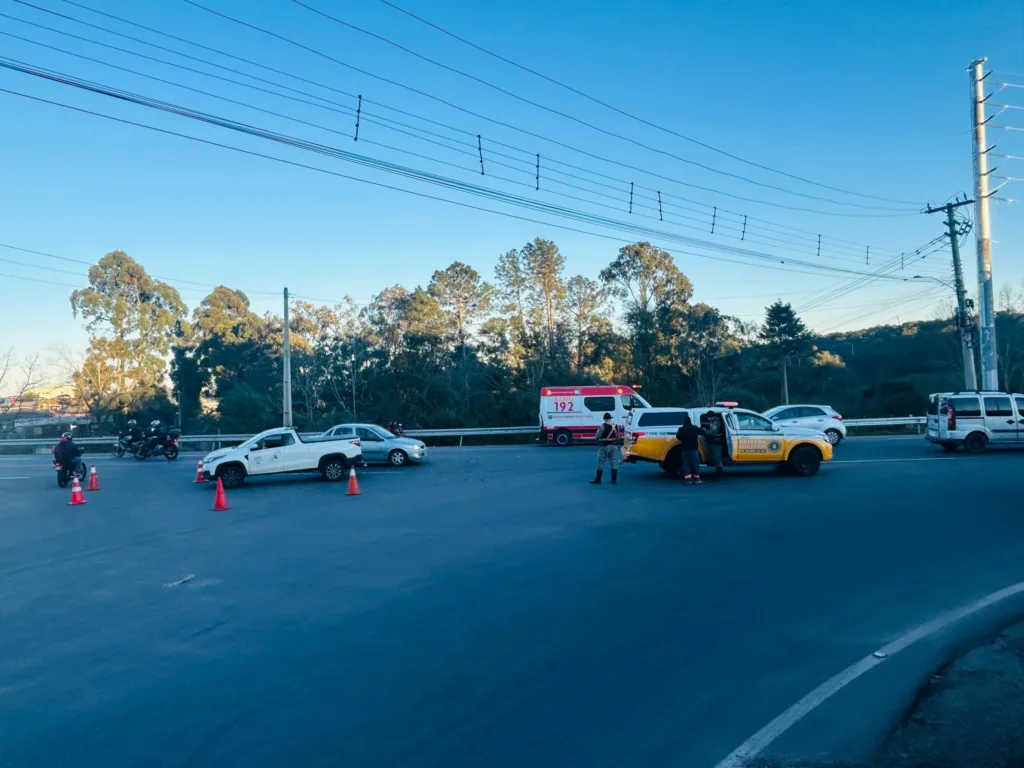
(751, 439)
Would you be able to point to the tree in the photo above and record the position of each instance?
(585, 302)
(30, 378)
(648, 282)
(544, 264)
(131, 319)
(461, 295)
(785, 338)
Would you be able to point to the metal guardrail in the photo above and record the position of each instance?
(219, 440)
(896, 422)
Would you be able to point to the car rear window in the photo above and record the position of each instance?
(933, 405)
(661, 419)
(965, 407)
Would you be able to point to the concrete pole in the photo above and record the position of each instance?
(785, 381)
(963, 319)
(986, 304)
(286, 394)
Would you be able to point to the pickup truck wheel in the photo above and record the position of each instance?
(397, 458)
(333, 470)
(672, 463)
(804, 461)
(231, 477)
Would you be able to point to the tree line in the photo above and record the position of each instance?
(464, 351)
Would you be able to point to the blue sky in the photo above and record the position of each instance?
(869, 97)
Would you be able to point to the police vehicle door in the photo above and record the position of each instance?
(753, 438)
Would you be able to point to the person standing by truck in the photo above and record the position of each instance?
(608, 449)
(689, 436)
(714, 439)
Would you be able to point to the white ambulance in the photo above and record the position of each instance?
(568, 414)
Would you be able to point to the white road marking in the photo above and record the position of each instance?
(179, 582)
(18, 477)
(884, 461)
(753, 746)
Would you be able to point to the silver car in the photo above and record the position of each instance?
(380, 445)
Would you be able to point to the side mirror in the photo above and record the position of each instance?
(776, 427)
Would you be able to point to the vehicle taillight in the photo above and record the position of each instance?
(837, 417)
(175, 441)
(951, 419)
(636, 436)
(355, 443)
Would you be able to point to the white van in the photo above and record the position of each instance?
(975, 420)
(570, 414)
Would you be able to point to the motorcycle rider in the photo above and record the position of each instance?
(132, 433)
(157, 435)
(67, 454)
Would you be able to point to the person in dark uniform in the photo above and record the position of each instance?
(69, 455)
(608, 450)
(714, 439)
(689, 436)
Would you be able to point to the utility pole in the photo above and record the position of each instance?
(785, 381)
(352, 364)
(963, 321)
(986, 305)
(286, 394)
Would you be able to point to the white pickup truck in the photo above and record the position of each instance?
(282, 450)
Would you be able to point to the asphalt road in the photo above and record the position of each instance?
(489, 608)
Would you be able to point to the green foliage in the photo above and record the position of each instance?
(461, 352)
(132, 320)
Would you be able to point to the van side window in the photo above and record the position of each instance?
(965, 407)
(599, 403)
(933, 405)
(998, 406)
(1020, 404)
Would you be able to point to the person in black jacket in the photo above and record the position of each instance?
(69, 455)
(689, 436)
(608, 450)
(132, 432)
(714, 431)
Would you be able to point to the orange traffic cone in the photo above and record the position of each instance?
(220, 501)
(199, 473)
(353, 484)
(94, 480)
(76, 492)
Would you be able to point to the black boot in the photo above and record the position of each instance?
(615, 476)
(597, 478)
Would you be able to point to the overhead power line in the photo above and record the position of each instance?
(562, 114)
(452, 105)
(490, 193)
(623, 112)
(772, 262)
(347, 109)
(769, 239)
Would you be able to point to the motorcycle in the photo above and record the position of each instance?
(63, 473)
(168, 446)
(125, 445)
